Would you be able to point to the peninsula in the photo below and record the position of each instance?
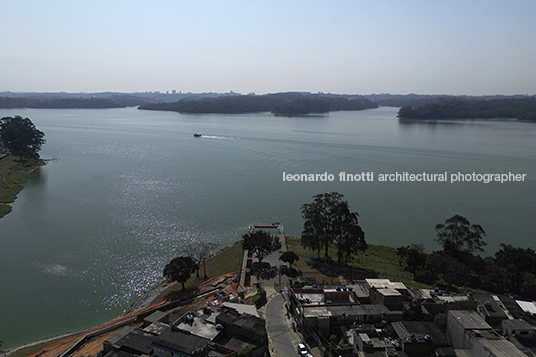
(290, 103)
(521, 108)
(20, 142)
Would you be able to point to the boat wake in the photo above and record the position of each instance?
(218, 137)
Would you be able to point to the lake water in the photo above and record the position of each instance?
(129, 189)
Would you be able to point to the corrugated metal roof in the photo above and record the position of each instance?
(527, 306)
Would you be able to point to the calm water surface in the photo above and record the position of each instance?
(129, 189)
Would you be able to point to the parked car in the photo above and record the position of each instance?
(302, 350)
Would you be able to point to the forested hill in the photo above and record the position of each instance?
(279, 103)
(448, 108)
(116, 101)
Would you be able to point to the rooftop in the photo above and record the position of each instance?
(310, 298)
(350, 310)
(156, 328)
(133, 339)
(197, 326)
(469, 320)
(360, 290)
(518, 325)
(385, 284)
(501, 348)
(527, 306)
(237, 344)
(389, 292)
(419, 329)
(251, 323)
(242, 308)
(452, 298)
(180, 341)
(465, 353)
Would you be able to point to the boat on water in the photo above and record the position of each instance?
(197, 135)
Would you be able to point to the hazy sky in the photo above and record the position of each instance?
(429, 47)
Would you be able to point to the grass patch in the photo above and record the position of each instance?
(4, 209)
(377, 261)
(14, 173)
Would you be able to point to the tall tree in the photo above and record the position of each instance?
(458, 236)
(261, 243)
(328, 219)
(21, 137)
(514, 266)
(180, 269)
(200, 250)
(312, 235)
(347, 233)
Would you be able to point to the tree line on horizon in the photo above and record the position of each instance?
(457, 108)
(413, 106)
(279, 103)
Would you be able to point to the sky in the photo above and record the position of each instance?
(354, 47)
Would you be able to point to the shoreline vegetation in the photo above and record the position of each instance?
(279, 104)
(413, 106)
(14, 173)
(522, 109)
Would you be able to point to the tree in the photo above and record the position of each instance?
(289, 257)
(458, 236)
(347, 233)
(245, 352)
(413, 255)
(180, 269)
(514, 266)
(318, 225)
(21, 136)
(261, 243)
(443, 265)
(200, 250)
(311, 236)
(329, 219)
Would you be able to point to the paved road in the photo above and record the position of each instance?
(283, 339)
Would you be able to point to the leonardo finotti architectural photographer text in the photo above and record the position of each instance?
(405, 177)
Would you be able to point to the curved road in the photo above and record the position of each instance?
(283, 339)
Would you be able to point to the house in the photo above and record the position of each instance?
(385, 292)
(418, 338)
(243, 330)
(520, 329)
(195, 324)
(467, 330)
(179, 344)
(489, 309)
(130, 340)
(325, 319)
(435, 302)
